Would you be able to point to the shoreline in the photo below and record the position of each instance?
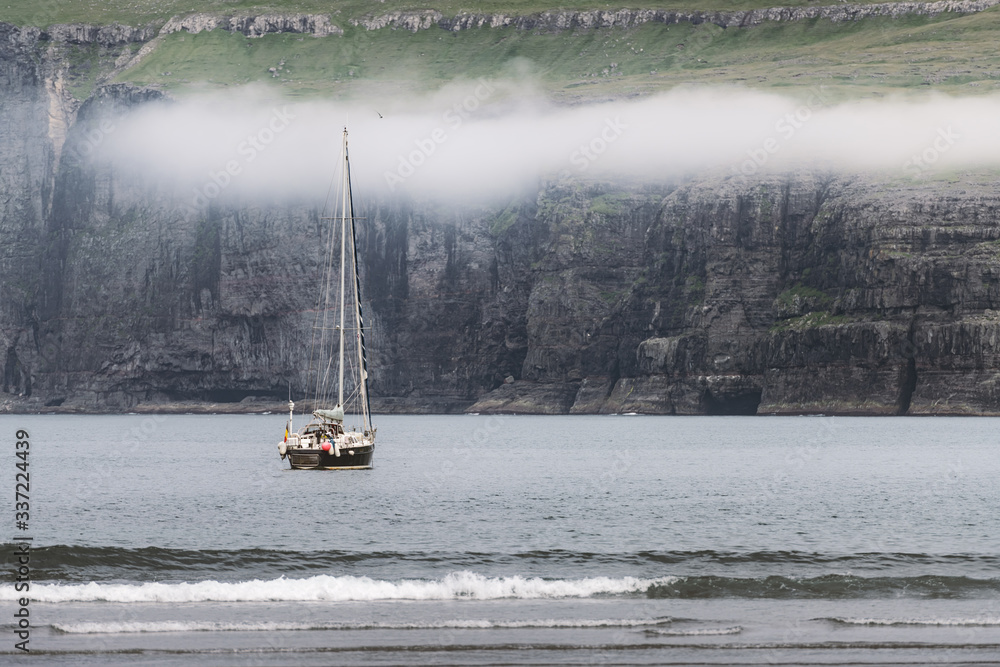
(401, 407)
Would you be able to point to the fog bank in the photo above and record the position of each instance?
(482, 139)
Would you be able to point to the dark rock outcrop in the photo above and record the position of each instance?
(106, 35)
(27, 166)
(720, 295)
(555, 21)
(789, 294)
(254, 25)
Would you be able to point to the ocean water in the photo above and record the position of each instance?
(185, 540)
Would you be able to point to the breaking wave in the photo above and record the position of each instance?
(696, 632)
(943, 622)
(458, 624)
(467, 585)
(325, 588)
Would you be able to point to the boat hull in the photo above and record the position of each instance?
(303, 458)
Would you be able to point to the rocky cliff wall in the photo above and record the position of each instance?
(787, 294)
(555, 21)
(800, 293)
(814, 293)
(320, 25)
(27, 160)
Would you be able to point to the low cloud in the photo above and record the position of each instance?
(483, 139)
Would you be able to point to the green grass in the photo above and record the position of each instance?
(810, 321)
(610, 204)
(869, 58)
(504, 220)
(860, 59)
(135, 12)
(611, 298)
(811, 294)
(84, 65)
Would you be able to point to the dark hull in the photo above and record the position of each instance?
(317, 459)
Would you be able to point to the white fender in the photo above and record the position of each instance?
(282, 448)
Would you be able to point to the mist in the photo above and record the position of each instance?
(484, 139)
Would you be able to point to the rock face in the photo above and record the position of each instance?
(814, 292)
(108, 35)
(257, 25)
(785, 295)
(27, 166)
(806, 293)
(627, 18)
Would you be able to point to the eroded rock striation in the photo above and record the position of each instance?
(554, 21)
(815, 292)
(254, 25)
(781, 294)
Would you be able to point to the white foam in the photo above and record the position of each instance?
(984, 621)
(324, 588)
(462, 624)
(698, 632)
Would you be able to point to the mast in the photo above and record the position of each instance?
(343, 259)
(360, 322)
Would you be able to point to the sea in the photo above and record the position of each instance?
(176, 540)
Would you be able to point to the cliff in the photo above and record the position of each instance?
(553, 21)
(789, 294)
(826, 294)
(808, 292)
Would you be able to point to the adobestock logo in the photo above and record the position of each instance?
(248, 149)
(87, 145)
(588, 153)
(428, 145)
(785, 127)
(921, 163)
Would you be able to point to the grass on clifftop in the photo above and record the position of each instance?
(135, 12)
(866, 58)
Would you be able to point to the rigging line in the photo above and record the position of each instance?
(327, 291)
(329, 190)
(322, 379)
(357, 297)
(322, 372)
(345, 193)
(324, 395)
(355, 377)
(325, 282)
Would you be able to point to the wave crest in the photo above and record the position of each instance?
(944, 622)
(458, 624)
(325, 588)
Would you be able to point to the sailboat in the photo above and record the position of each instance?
(324, 443)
